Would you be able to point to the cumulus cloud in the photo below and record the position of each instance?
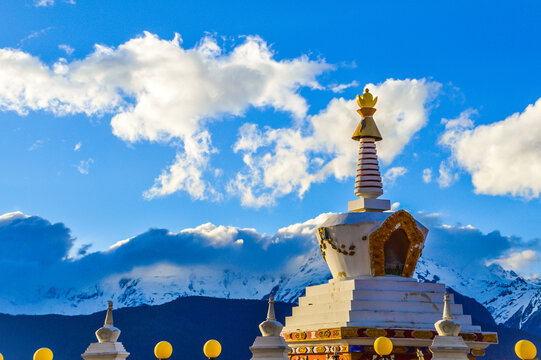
(157, 90)
(30, 242)
(447, 174)
(427, 176)
(392, 174)
(498, 155)
(517, 261)
(463, 246)
(67, 49)
(32, 247)
(280, 161)
(77, 146)
(339, 88)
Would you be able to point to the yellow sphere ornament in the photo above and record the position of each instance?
(212, 349)
(525, 350)
(163, 350)
(383, 346)
(43, 354)
(1, 357)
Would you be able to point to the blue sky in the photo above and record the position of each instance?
(85, 72)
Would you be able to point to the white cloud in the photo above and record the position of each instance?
(37, 144)
(288, 160)
(502, 157)
(517, 261)
(447, 174)
(339, 88)
(392, 174)
(84, 166)
(77, 146)
(34, 34)
(40, 3)
(306, 228)
(218, 236)
(395, 206)
(67, 49)
(45, 3)
(159, 91)
(9, 217)
(427, 176)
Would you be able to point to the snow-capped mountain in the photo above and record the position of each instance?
(510, 298)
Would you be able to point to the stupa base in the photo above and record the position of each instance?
(368, 204)
(349, 314)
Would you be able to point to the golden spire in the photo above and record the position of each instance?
(367, 127)
(366, 100)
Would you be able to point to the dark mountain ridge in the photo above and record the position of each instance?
(187, 323)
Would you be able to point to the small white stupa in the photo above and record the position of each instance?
(270, 346)
(448, 345)
(107, 347)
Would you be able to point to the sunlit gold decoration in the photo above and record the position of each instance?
(373, 332)
(325, 238)
(422, 334)
(366, 100)
(399, 220)
(324, 333)
(478, 352)
(367, 127)
(468, 336)
(490, 338)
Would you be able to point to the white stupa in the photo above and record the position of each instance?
(372, 253)
(107, 347)
(270, 345)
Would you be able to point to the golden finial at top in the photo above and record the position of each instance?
(366, 100)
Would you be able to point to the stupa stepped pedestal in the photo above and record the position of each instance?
(389, 301)
(348, 315)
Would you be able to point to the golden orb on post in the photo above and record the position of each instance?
(525, 350)
(163, 350)
(383, 346)
(43, 354)
(1, 356)
(212, 349)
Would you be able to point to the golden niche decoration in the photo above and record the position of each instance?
(400, 220)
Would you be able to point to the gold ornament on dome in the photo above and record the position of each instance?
(399, 220)
(367, 127)
(366, 100)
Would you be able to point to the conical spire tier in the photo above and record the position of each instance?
(368, 182)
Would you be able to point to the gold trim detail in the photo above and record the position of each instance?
(468, 337)
(324, 237)
(478, 352)
(490, 338)
(373, 332)
(399, 220)
(421, 334)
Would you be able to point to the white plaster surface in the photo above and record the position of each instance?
(449, 348)
(269, 348)
(384, 302)
(106, 351)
